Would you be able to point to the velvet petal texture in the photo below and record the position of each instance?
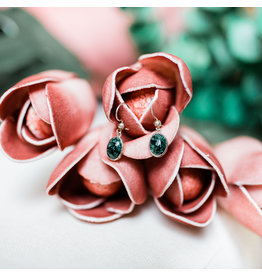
(187, 179)
(241, 158)
(49, 110)
(158, 82)
(88, 160)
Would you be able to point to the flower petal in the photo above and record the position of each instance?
(109, 89)
(256, 193)
(37, 96)
(241, 159)
(75, 196)
(161, 173)
(199, 144)
(72, 107)
(175, 192)
(79, 152)
(201, 218)
(192, 159)
(139, 148)
(132, 124)
(194, 205)
(146, 77)
(242, 206)
(14, 98)
(94, 169)
(29, 138)
(160, 105)
(21, 118)
(112, 209)
(15, 148)
(131, 171)
(173, 68)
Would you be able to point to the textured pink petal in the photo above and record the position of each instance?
(14, 98)
(192, 159)
(241, 159)
(199, 144)
(131, 171)
(132, 124)
(79, 152)
(72, 107)
(21, 117)
(109, 89)
(256, 193)
(15, 148)
(74, 195)
(173, 68)
(94, 169)
(194, 205)
(161, 105)
(243, 207)
(139, 148)
(30, 139)
(145, 78)
(201, 218)
(161, 173)
(38, 100)
(175, 192)
(113, 209)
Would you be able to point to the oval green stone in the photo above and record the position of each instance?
(158, 145)
(114, 148)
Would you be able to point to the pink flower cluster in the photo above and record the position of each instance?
(55, 109)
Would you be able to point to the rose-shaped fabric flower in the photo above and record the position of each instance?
(184, 184)
(93, 188)
(241, 159)
(45, 111)
(160, 80)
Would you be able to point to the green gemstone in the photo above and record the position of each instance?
(158, 145)
(114, 148)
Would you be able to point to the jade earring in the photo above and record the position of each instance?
(158, 143)
(115, 145)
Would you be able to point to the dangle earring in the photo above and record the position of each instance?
(115, 145)
(158, 142)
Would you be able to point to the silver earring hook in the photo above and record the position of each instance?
(121, 125)
(157, 122)
(116, 114)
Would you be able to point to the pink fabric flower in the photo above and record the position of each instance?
(49, 110)
(186, 180)
(92, 187)
(241, 159)
(161, 80)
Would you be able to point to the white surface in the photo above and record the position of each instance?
(37, 232)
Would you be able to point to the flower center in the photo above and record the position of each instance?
(102, 189)
(39, 128)
(139, 100)
(193, 182)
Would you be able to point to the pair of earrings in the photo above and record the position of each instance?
(157, 145)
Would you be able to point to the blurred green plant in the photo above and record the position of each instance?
(223, 50)
(26, 48)
(146, 29)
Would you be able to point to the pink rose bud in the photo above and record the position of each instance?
(241, 159)
(43, 112)
(187, 180)
(93, 188)
(160, 80)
